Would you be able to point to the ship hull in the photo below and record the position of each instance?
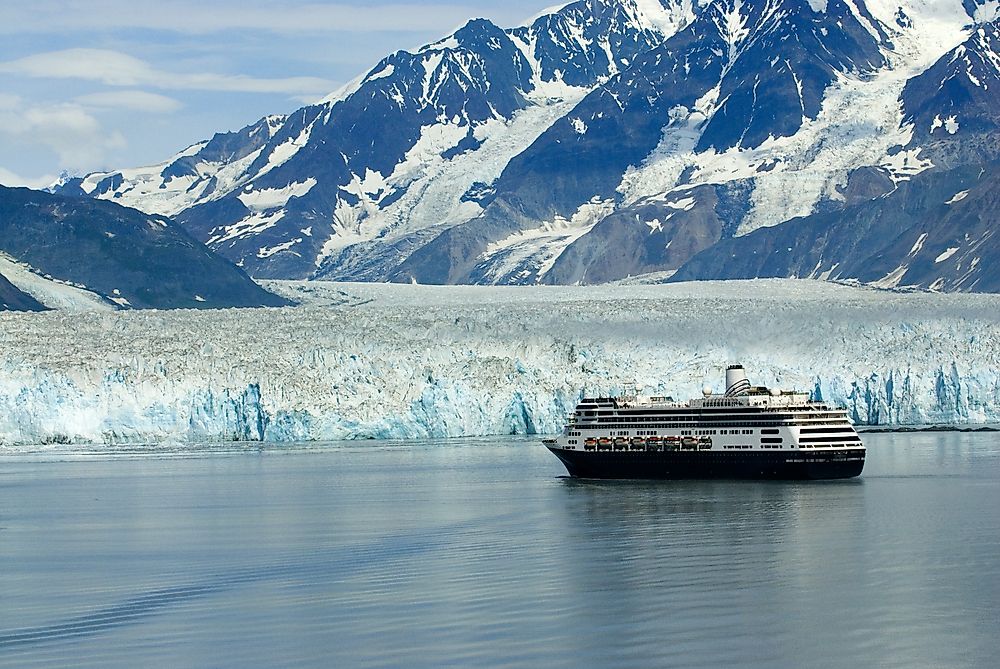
(802, 465)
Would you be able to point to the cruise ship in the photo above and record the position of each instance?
(749, 432)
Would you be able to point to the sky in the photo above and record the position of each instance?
(89, 85)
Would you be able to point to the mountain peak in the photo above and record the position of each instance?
(602, 138)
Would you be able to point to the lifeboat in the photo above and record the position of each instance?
(654, 443)
(589, 444)
(621, 443)
(638, 444)
(689, 443)
(604, 444)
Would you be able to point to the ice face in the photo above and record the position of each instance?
(387, 361)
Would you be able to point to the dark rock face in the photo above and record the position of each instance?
(937, 231)
(955, 105)
(766, 75)
(12, 299)
(641, 239)
(776, 74)
(138, 260)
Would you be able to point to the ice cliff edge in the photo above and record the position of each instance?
(376, 361)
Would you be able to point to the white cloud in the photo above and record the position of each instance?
(73, 134)
(143, 101)
(8, 178)
(8, 101)
(114, 68)
(198, 17)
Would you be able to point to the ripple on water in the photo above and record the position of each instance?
(483, 555)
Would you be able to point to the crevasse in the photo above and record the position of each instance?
(411, 362)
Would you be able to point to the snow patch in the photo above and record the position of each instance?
(53, 293)
(958, 197)
(685, 204)
(919, 244)
(433, 186)
(544, 244)
(987, 12)
(386, 71)
(903, 165)
(273, 198)
(666, 18)
(946, 254)
(344, 92)
(548, 11)
(284, 152)
(268, 252)
(253, 224)
(892, 279)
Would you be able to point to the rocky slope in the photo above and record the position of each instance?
(118, 255)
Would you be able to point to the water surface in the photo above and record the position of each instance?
(481, 553)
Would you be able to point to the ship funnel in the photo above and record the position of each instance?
(736, 381)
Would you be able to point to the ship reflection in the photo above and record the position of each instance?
(664, 554)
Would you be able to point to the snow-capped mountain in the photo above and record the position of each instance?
(351, 185)
(73, 254)
(933, 229)
(607, 138)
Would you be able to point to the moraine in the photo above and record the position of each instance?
(751, 432)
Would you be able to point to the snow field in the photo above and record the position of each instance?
(362, 361)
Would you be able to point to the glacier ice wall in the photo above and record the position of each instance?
(380, 361)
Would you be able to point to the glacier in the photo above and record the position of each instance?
(383, 361)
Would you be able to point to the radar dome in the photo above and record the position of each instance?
(775, 392)
(706, 391)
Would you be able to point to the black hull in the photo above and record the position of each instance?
(801, 465)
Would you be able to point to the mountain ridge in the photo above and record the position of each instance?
(116, 255)
(601, 140)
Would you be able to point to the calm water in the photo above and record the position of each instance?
(479, 554)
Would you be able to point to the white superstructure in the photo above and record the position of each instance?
(745, 418)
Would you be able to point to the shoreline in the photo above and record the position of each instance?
(925, 428)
